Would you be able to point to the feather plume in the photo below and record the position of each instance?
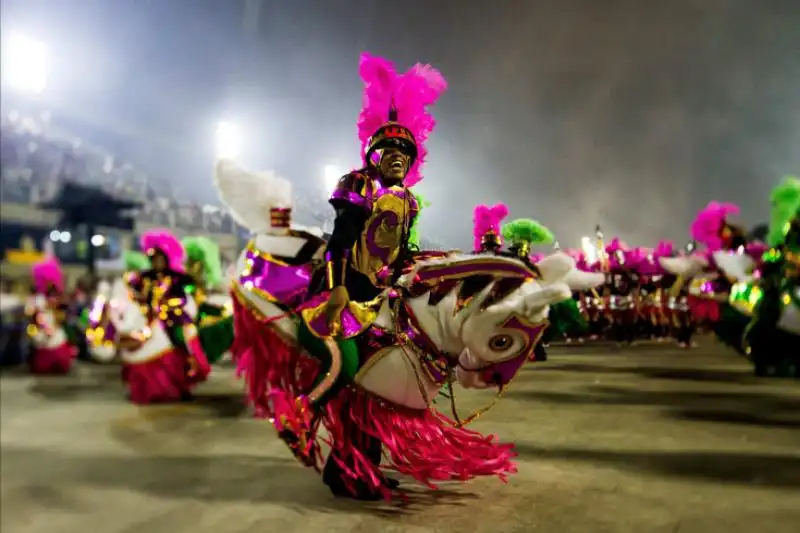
(135, 261)
(250, 196)
(487, 219)
(206, 251)
(527, 230)
(664, 249)
(413, 233)
(411, 93)
(46, 273)
(165, 242)
(785, 199)
(708, 224)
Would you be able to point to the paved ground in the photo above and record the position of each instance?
(646, 440)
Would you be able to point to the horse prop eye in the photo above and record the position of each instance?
(500, 343)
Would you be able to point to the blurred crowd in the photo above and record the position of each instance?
(37, 157)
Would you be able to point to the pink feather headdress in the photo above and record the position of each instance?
(615, 245)
(616, 250)
(487, 219)
(664, 249)
(47, 272)
(166, 243)
(708, 224)
(409, 94)
(639, 259)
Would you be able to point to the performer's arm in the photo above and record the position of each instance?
(136, 283)
(352, 204)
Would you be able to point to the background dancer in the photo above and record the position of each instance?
(214, 319)
(161, 290)
(52, 353)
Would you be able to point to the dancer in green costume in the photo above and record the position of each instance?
(214, 320)
(772, 335)
(565, 317)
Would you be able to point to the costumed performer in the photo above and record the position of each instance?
(772, 338)
(171, 374)
(52, 351)
(711, 288)
(623, 288)
(367, 251)
(520, 235)
(101, 333)
(214, 318)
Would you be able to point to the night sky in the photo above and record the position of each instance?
(630, 114)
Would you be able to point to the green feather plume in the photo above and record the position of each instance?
(205, 251)
(135, 261)
(785, 200)
(413, 234)
(526, 230)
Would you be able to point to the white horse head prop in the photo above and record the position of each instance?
(686, 266)
(736, 265)
(491, 308)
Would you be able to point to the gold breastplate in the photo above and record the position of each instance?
(379, 244)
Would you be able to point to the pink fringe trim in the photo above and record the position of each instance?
(424, 445)
(53, 361)
(161, 380)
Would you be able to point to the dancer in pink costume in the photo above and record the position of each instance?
(160, 350)
(721, 239)
(623, 286)
(654, 292)
(52, 352)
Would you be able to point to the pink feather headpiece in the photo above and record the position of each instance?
(47, 272)
(615, 245)
(709, 222)
(165, 242)
(664, 249)
(408, 94)
(639, 260)
(487, 219)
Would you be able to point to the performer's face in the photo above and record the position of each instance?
(394, 164)
(158, 261)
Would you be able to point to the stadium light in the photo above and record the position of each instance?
(228, 140)
(331, 174)
(24, 64)
(60, 236)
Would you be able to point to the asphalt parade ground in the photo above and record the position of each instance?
(648, 439)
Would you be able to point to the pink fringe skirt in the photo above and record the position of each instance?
(53, 361)
(422, 444)
(161, 380)
(704, 310)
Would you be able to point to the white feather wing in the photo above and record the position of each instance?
(249, 196)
